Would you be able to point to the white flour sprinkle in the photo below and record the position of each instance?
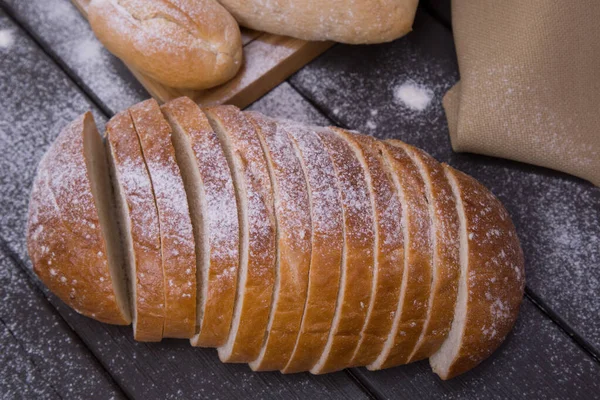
(414, 96)
(6, 38)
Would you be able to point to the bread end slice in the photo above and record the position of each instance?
(492, 279)
(73, 238)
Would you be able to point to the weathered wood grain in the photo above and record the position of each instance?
(556, 215)
(38, 100)
(41, 356)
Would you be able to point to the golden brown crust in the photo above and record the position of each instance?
(357, 262)
(416, 283)
(327, 244)
(446, 262)
(194, 44)
(388, 250)
(358, 21)
(219, 220)
(257, 259)
(64, 238)
(177, 240)
(495, 277)
(132, 183)
(293, 244)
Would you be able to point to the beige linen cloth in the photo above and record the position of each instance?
(530, 82)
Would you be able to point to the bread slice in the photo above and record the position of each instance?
(411, 313)
(327, 244)
(388, 249)
(138, 219)
(446, 243)
(492, 279)
(293, 244)
(72, 236)
(357, 257)
(176, 234)
(256, 275)
(213, 209)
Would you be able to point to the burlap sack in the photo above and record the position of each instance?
(530, 82)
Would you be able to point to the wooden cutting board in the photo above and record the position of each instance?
(268, 61)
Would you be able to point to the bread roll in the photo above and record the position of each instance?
(72, 239)
(140, 231)
(187, 44)
(348, 250)
(213, 209)
(176, 234)
(355, 22)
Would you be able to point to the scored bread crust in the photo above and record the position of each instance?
(357, 21)
(213, 208)
(412, 308)
(176, 234)
(388, 250)
(446, 243)
(67, 245)
(138, 219)
(293, 244)
(254, 193)
(491, 283)
(357, 257)
(327, 244)
(193, 44)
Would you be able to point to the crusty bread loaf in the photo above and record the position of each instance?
(327, 243)
(357, 256)
(176, 234)
(446, 243)
(72, 239)
(309, 248)
(213, 209)
(388, 250)
(256, 275)
(140, 232)
(355, 22)
(411, 312)
(293, 244)
(492, 279)
(188, 44)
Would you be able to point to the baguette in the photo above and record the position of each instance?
(286, 246)
(176, 234)
(412, 308)
(327, 244)
(213, 208)
(354, 22)
(72, 240)
(186, 44)
(293, 244)
(256, 276)
(357, 257)
(492, 279)
(138, 219)
(388, 251)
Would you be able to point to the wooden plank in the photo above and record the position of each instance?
(41, 356)
(268, 61)
(38, 100)
(556, 215)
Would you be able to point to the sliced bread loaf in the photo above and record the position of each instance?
(213, 209)
(176, 234)
(256, 275)
(293, 244)
(492, 279)
(140, 232)
(72, 238)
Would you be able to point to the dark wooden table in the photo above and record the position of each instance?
(52, 69)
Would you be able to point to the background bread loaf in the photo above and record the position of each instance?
(188, 44)
(351, 251)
